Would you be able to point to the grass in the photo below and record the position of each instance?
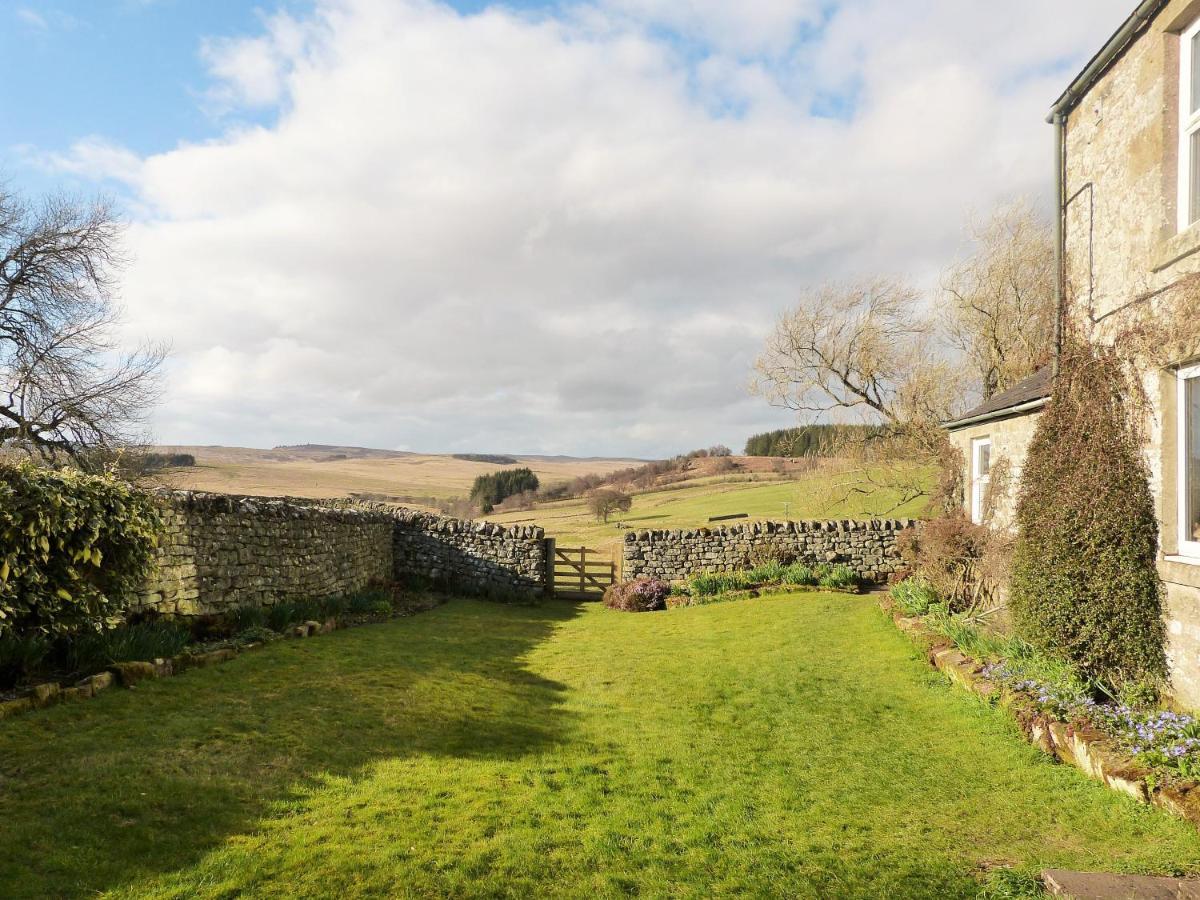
(818, 495)
(795, 746)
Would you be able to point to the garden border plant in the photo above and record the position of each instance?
(646, 594)
(1085, 583)
(1149, 753)
(75, 549)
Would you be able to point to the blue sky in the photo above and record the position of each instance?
(530, 227)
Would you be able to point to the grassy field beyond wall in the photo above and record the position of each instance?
(830, 493)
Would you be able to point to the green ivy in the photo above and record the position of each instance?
(75, 549)
(1085, 585)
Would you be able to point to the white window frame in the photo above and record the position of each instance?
(1189, 124)
(979, 483)
(1187, 546)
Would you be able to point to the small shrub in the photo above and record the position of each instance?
(639, 595)
(20, 656)
(93, 651)
(255, 634)
(799, 575)
(709, 584)
(75, 549)
(965, 563)
(280, 616)
(767, 573)
(915, 596)
(368, 603)
(839, 578)
(380, 607)
(247, 617)
(332, 607)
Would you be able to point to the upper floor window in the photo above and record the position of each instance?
(1189, 127)
(981, 474)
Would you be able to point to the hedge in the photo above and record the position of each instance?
(75, 549)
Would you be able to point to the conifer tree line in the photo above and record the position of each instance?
(490, 490)
(807, 440)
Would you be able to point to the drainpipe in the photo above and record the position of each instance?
(1060, 234)
(1115, 45)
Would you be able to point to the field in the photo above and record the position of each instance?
(789, 746)
(761, 488)
(341, 471)
(827, 492)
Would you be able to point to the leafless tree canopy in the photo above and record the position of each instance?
(864, 350)
(65, 389)
(867, 353)
(1001, 309)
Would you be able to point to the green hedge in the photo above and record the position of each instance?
(75, 549)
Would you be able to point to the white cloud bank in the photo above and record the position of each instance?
(568, 232)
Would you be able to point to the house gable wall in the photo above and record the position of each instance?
(1123, 246)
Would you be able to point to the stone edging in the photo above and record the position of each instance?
(1084, 747)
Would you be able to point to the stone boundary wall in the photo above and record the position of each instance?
(220, 551)
(869, 547)
(476, 557)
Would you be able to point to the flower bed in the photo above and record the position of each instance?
(1151, 754)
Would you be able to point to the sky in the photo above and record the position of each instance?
(518, 227)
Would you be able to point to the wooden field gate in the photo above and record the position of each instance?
(577, 573)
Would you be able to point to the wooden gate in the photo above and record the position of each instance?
(581, 574)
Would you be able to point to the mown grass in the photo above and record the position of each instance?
(795, 746)
(824, 494)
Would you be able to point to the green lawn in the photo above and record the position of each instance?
(790, 746)
(822, 495)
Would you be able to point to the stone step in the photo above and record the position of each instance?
(1106, 886)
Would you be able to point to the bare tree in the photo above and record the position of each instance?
(1001, 310)
(606, 501)
(865, 352)
(65, 388)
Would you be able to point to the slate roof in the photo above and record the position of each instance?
(1036, 387)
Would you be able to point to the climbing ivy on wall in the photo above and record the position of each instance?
(1085, 585)
(75, 549)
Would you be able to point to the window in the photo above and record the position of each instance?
(1189, 461)
(1189, 127)
(981, 470)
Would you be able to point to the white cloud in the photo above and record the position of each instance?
(564, 232)
(32, 18)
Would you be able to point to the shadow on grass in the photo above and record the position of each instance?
(99, 794)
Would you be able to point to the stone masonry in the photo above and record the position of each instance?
(476, 557)
(219, 552)
(869, 548)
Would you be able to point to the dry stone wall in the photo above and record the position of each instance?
(219, 552)
(869, 547)
(476, 557)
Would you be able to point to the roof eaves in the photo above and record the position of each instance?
(1020, 409)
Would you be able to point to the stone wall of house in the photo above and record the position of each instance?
(1010, 439)
(867, 547)
(220, 552)
(1123, 246)
(475, 557)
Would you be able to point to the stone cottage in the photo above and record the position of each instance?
(1127, 134)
